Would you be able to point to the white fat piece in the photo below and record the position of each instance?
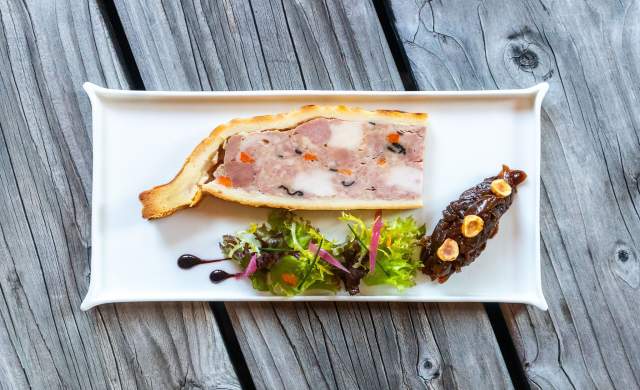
(406, 178)
(314, 182)
(345, 134)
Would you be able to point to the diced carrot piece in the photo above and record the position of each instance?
(388, 241)
(346, 172)
(382, 161)
(310, 157)
(393, 138)
(225, 181)
(246, 158)
(290, 279)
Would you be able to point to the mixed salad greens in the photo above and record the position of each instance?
(288, 256)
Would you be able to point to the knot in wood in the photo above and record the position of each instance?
(623, 255)
(429, 370)
(526, 59)
(625, 265)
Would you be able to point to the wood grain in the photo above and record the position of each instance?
(589, 53)
(46, 52)
(288, 44)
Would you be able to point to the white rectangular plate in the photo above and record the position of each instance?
(140, 139)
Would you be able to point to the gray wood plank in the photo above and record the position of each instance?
(589, 54)
(326, 45)
(46, 52)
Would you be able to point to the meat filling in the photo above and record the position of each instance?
(327, 158)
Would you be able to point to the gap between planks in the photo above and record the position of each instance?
(218, 309)
(496, 318)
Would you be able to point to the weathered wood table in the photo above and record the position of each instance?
(589, 53)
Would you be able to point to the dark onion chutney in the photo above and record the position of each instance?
(488, 200)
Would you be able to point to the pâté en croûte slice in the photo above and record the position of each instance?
(313, 158)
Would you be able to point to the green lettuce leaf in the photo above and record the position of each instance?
(285, 265)
(398, 257)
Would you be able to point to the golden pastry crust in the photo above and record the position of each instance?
(185, 190)
(281, 202)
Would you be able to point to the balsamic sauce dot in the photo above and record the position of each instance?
(188, 261)
(218, 275)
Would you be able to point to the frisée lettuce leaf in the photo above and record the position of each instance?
(398, 252)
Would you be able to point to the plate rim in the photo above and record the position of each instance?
(96, 94)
